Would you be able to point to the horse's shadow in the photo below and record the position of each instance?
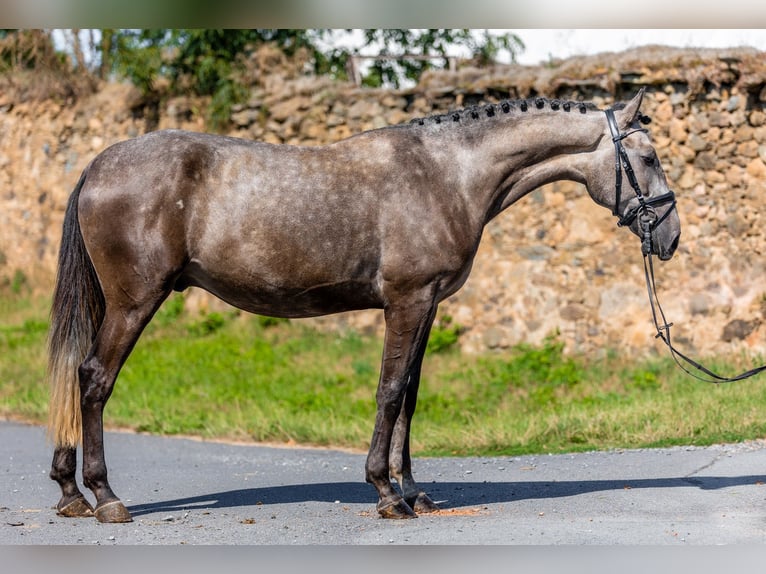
(447, 494)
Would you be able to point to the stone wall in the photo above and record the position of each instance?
(554, 262)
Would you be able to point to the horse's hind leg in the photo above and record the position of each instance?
(118, 334)
(72, 503)
(400, 462)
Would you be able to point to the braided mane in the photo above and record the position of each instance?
(476, 112)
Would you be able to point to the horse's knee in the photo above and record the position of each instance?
(390, 396)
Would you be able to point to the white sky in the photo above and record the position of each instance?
(542, 45)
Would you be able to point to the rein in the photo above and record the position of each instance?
(648, 222)
(663, 332)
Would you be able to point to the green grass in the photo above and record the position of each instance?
(238, 376)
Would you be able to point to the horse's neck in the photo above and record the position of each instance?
(535, 149)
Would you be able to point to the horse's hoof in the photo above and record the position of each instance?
(112, 512)
(423, 504)
(78, 508)
(395, 508)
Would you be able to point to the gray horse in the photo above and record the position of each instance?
(388, 219)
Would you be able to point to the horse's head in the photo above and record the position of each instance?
(629, 179)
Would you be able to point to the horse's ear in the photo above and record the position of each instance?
(627, 115)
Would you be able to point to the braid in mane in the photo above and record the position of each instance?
(477, 112)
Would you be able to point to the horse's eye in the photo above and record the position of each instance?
(649, 159)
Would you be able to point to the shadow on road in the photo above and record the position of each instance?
(447, 494)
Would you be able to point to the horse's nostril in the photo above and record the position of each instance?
(674, 245)
(666, 254)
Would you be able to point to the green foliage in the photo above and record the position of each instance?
(444, 335)
(136, 55)
(32, 69)
(172, 309)
(23, 333)
(27, 50)
(14, 337)
(210, 61)
(265, 321)
(213, 62)
(19, 282)
(543, 374)
(545, 366)
(208, 324)
(645, 379)
(230, 375)
(429, 42)
(280, 382)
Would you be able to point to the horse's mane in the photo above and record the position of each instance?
(477, 112)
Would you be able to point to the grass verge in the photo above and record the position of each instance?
(238, 376)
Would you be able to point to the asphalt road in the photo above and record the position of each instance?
(183, 491)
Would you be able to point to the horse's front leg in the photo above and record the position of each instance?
(407, 328)
(400, 461)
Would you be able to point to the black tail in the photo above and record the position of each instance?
(76, 314)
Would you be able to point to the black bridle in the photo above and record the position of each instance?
(644, 210)
(648, 222)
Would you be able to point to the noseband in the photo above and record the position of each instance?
(644, 211)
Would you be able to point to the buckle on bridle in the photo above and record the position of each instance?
(647, 221)
(647, 204)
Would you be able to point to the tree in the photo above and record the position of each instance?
(207, 62)
(166, 62)
(31, 68)
(403, 44)
(27, 50)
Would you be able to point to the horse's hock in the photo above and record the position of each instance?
(553, 263)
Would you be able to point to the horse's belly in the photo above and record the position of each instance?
(284, 298)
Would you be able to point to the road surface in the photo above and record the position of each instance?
(183, 491)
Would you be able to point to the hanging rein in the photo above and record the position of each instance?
(648, 221)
